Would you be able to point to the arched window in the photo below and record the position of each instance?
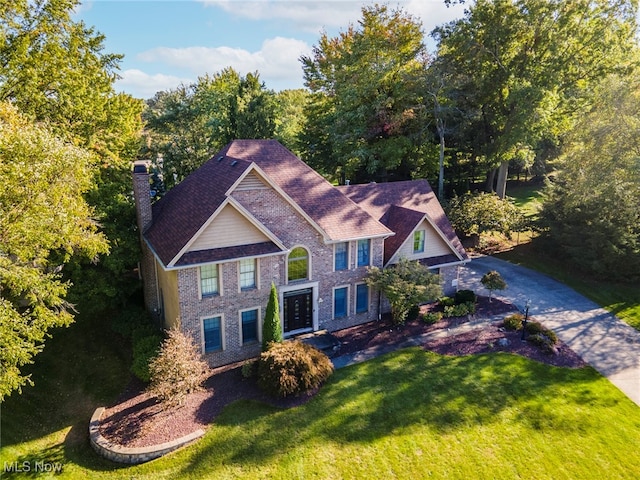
(298, 264)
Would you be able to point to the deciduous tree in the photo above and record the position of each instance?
(406, 285)
(522, 68)
(187, 124)
(44, 222)
(367, 108)
(55, 70)
(493, 281)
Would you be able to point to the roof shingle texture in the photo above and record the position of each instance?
(400, 206)
(179, 215)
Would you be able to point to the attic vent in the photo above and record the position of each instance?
(233, 164)
(220, 158)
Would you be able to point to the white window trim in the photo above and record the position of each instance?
(286, 265)
(333, 301)
(223, 343)
(259, 320)
(219, 294)
(370, 250)
(348, 256)
(424, 240)
(256, 273)
(355, 298)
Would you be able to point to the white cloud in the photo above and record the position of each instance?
(308, 15)
(314, 15)
(276, 61)
(143, 85)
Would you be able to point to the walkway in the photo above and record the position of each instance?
(605, 342)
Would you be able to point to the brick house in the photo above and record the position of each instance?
(256, 214)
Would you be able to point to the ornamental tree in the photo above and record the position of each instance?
(177, 370)
(406, 284)
(271, 328)
(493, 281)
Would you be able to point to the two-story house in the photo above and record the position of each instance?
(255, 214)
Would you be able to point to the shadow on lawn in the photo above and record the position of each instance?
(391, 393)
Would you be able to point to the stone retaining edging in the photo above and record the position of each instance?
(132, 456)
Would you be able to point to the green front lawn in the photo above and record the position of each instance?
(410, 414)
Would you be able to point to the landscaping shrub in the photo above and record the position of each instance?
(292, 368)
(513, 322)
(432, 317)
(414, 312)
(465, 296)
(536, 328)
(446, 301)
(542, 341)
(177, 370)
(144, 350)
(250, 369)
(459, 310)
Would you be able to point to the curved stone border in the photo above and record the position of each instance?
(132, 456)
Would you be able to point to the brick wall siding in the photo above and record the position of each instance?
(293, 230)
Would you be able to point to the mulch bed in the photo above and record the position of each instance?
(136, 420)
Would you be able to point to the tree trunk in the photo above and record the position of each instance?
(441, 164)
(503, 172)
(491, 176)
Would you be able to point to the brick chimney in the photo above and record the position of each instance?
(142, 195)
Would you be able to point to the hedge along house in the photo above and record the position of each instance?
(256, 214)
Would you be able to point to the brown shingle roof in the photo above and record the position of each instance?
(409, 196)
(179, 215)
(225, 253)
(339, 218)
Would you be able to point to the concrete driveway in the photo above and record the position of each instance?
(605, 342)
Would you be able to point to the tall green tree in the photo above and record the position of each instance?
(367, 110)
(186, 125)
(271, 327)
(55, 71)
(591, 209)
(521, 69)
(44, 222)
(290, 117)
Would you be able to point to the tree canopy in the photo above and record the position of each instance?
(185, 126)
(55, 70)
(592, 205)
(366, 118)
(44, 221)
(520, 70)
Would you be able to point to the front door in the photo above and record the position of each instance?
(298, 310)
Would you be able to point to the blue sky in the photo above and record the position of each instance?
(166, 43)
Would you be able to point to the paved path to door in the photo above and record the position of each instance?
(605, 342)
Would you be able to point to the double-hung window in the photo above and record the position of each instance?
(362, 298)
(341, 256)
(249, 320)
(209, 280)
(248, 274)
(364, 248)
(418, 241)
(340, 302)
(212, 328)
